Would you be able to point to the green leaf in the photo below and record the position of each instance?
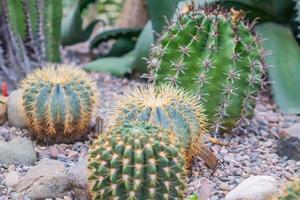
(285, 62)
(193, 197)
(71, 30)
(272, 10)
(114, 34)
(142, 48)
(117, 66)
(121, 46)
(159, 10)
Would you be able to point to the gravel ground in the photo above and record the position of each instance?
(251, 153)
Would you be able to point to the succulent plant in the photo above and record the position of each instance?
(218, 57)
(59, 103)
(137, 161)
(167, 107)
(291, 192)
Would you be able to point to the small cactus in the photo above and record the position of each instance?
(291, 192)
(59, 103)
(167, 107)
(136, 162)
(218, 57)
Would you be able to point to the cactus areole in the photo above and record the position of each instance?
(134, 162)
(59, 103)
(217, 56)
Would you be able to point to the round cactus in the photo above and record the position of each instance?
(59, 103)
(136, 162)
(167, 107)
(290, 192)
(217, 56)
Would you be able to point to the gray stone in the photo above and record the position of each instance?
(78, 173)
(45, 180)
(293, 131)
(254, 188)
(289, 142)
(11, 179)
(15, 111)
(18, 150)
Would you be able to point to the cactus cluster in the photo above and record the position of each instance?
(59, 103)
(291, 192)
(167, 107)
(217, 56)
(29, 35)
(136, 162)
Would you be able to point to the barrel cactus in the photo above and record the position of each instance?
(291, 192)
(216, 55)
(59, 103)
(167, 107)
(137, 161)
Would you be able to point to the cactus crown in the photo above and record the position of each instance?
(217, 56)
(136, 162)
(168, 107)
(58, 102)
(164, 106)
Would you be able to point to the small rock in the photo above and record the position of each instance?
(18, 150)
(73, 154)
(15, 111)
(254, 188)
(289, 146)
(45, 180)
(272, 118)
(53, 151)
(11, 179)
(293, 131)
(78, 173)
(67, 198)
(224, 186)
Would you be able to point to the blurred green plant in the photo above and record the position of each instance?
(284, 61)
(29, 36)
(72, 30)
(298, 15)
(159, 13)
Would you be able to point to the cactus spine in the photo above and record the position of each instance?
(59, 103)
(136, 162)
(215, 55)
(167, 107)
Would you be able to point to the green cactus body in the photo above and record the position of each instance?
(216, 56)
(291, 192)
(58, 103)
(167, 107)
(134, 162)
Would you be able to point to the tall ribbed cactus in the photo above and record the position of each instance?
(136, 162)
(59, 103)
(217, 56)
(29, 35)
(167, 107)
(291, 192)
